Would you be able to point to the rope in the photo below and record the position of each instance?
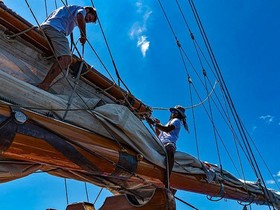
(20, 33)
(204, 37)
(192, 106)
(97, 196)
(86, 189)
(236, 117)
(212, 120)
(45, 36)
(186, 203)
(194, 120)
(74, 89)
(46, 8)
(124, 95)
(66, 191)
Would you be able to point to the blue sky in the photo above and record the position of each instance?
(244, 36)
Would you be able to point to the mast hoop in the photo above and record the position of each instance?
(220, 194)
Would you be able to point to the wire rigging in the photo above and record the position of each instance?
(94, 153)
(204, 37)
(237, 118)
(46, 8)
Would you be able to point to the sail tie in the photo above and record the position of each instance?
(20, 33)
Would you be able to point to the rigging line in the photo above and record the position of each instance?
(125, 96)
(65, 75)
(205, 59)
(55, 4)
(66, 191)
(193, 116)
(46, 8)
(207, 113)
(235, 138)
(97, 195)
(222, 80)
(112, 59)
(185, 20)
(207, 44)
(229, 124)
(115, 67)
(193, 67)
(212, 119)
(74, 89)
(104, 67)
(20, 33)
(92, 3)
(257, 167)
(263, 160)
(50, 45)
(195, 105)
(167, 19)
(111, 55)
(186, 203)
(191, 34)
(86, 189)
(191, 98)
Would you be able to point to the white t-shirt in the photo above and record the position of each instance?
(173, 135)
(64, 19)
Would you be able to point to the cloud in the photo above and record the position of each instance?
(270, 182)
(138, 29)
(144, 44)
(267, 118)
(275, 179)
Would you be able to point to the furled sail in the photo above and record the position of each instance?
(93, 134)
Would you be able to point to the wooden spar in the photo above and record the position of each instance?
(16, 24)
(103, 158)
(25, 147)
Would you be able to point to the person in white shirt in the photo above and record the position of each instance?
(169, 134)
(57, 27)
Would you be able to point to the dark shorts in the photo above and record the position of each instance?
(170, 146)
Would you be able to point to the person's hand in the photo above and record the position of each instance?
(83, 40)
(156, 121)
(149, 120)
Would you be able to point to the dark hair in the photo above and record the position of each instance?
(92, 10)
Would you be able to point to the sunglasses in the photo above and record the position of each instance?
(174, 112)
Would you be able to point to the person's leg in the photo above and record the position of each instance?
(170, 150)
(60, 46)
(170, 155)
(63, 62)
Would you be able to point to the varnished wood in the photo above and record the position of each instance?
(17, 24)
(80, 206)
(161, 200)
(36, 150)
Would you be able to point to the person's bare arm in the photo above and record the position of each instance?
(82, 26)
(164, 128)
